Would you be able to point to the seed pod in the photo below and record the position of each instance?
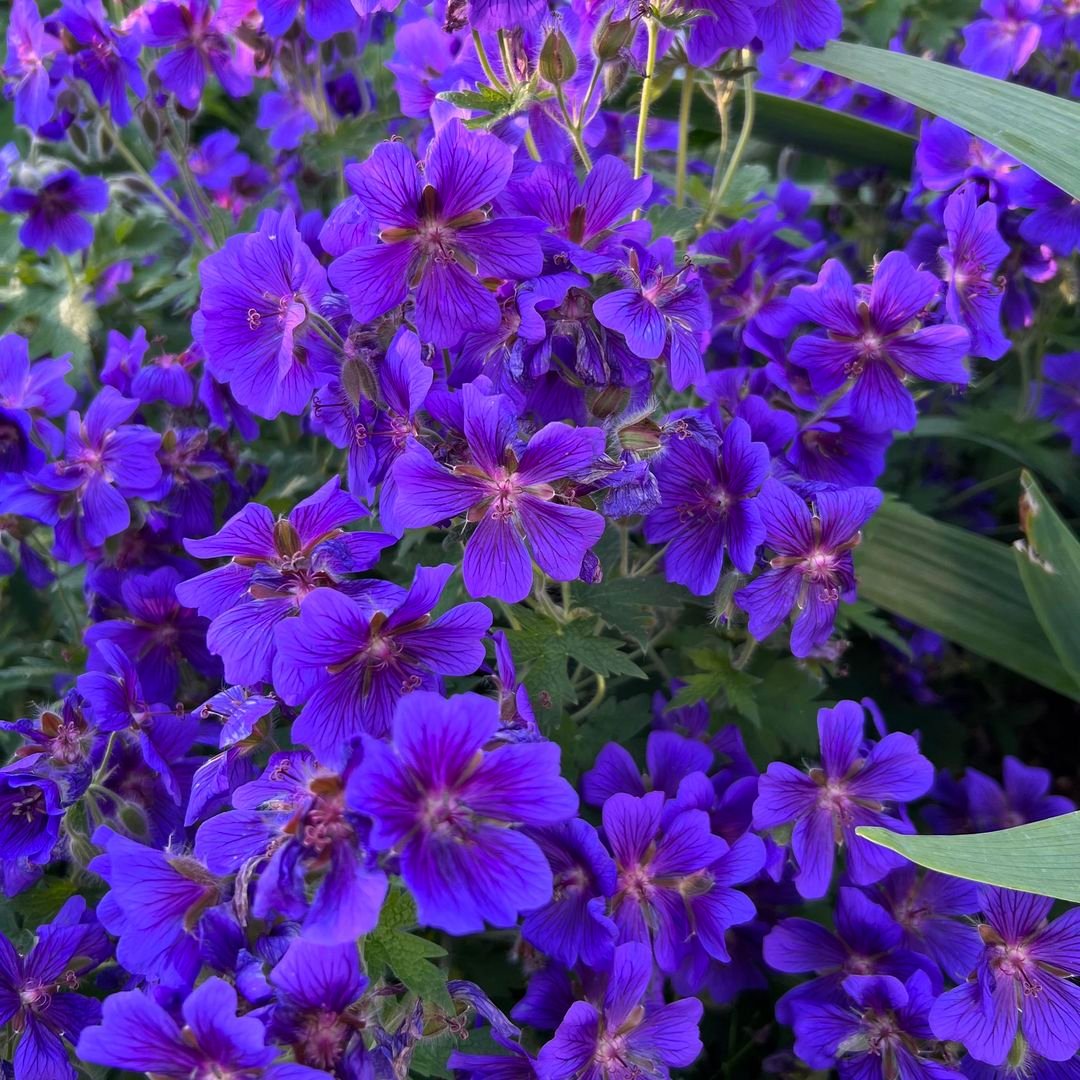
(558, 64)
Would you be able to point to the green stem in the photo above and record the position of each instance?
(717, 196)
(137, 167)
(507, 59)
(598, 67)
(653, 28)
(573, 128)
(530, 145)
(650, 562)
(485, 63)
(594, 702)
(686, 99)
(745, 654)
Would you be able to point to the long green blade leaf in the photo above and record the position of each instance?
(1038, 129)
(1049, 566)
(995, 432)
(1043, 857)
(959, 585)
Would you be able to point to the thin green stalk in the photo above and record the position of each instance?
(686, 99)
(717, 196)
(507, 59)
(137, 166)
(653, 28)
(573, 128)
(650, 562)
(530, 145)
(594, 702)
(598, 67)
(489, 72)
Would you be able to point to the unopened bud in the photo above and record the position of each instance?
(640, 437)
(358, 381)
(609, 401)
(558, 64)
(611, 37)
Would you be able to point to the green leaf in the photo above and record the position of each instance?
(822, 132)
(959, 585)
(1039, 129)
(39, 904)
(616, 720)
(628, 604)
(542, 648)
(1049, 565)
(717, 676)
(997, 430)
(1043, 857)
(787, 702)
(599, 654)
(677, 223)
(407, 955)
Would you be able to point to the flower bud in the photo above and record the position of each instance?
(642, 436)
(558, 64)
(612, 36)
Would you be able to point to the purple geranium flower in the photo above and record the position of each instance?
(434, 234)
(84, 494)
(870, 348)
(669, 759)
(154, 904)
(717, 25)
(276, 564)
(663, 312)
(930, 909)
(877, 1034)
(1059, 396)
(116, 696)
(835, 450)
(54, 213)
(510, 495)
(1055, 215)
(28, 63)
(574, 923)
(850, 788)
(947, 155)
(30, 816)
(138, 1035)
(257, 318)
(783, 24)
(29, 394)
(349, 669)
(706, 506)
(35, 991)
(315, 987)
(617, 1035)
(323, 18)
(318, 871)
(584, 216)
(444, 803)
(1000, 45)
(196, 46)
(156, 632)
(866, 942)
(1022, 982)
(972, 256)
(107, 59)
(978, 803)
(667, 891)
(813, 568)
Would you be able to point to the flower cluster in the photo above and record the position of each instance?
(375, 415)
